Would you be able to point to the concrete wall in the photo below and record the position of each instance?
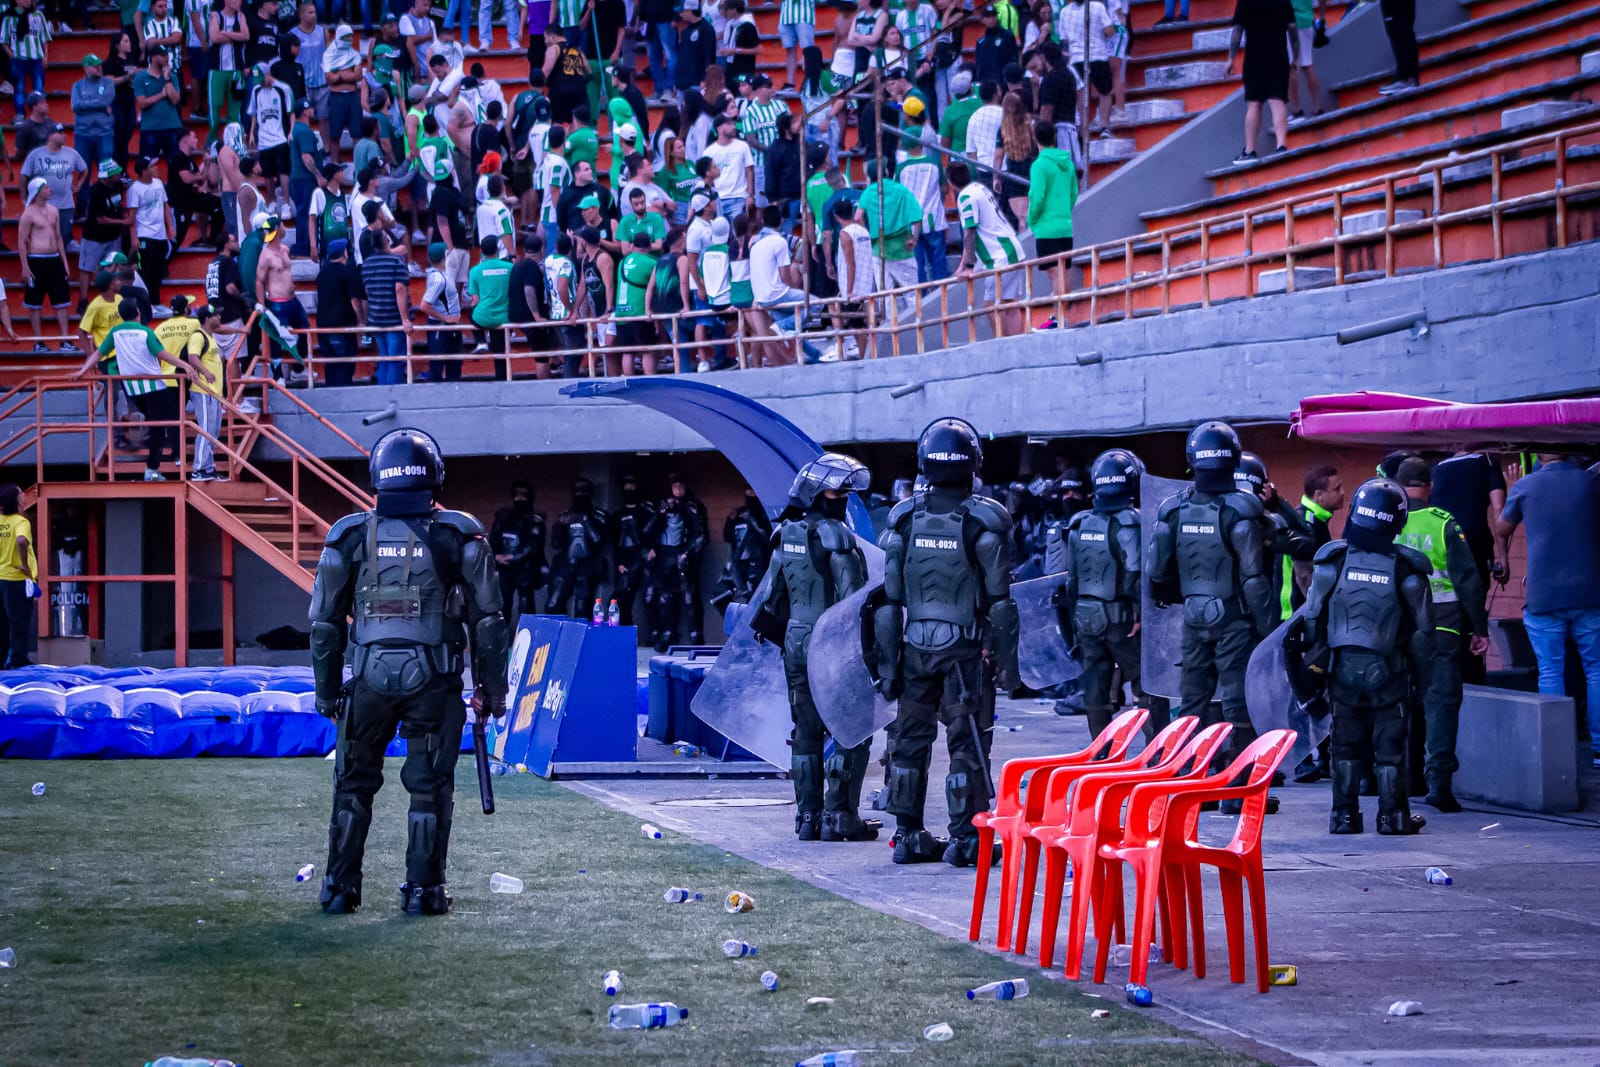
(1514, 329)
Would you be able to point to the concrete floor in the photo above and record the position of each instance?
(1503, 961)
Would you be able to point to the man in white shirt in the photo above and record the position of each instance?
(270, 114)
(989, 243)
(737, 170)
(853, 271)
(493, 217)
(774, 278)
(1070, 27)
(983, 129)
(416, 27)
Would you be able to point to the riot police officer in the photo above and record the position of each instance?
(1208, 554)
(577, 554)
(1068, 496)
(748, 533)
(946, 583)
(1101, 599)
(676, 540)
(630, 527)
(815, 563)
(1285, 534)
(517, 537)
(1365, 635)
(420, 585)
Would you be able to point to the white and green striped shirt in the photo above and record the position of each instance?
(797, 12)
(921, 175)
(997, 241)
(154, 27)
(26, 34)
(760, 121)
(569, 12)
(137, 350)
(194, 10)
(557, 267)
(917, 28)
(553, 176)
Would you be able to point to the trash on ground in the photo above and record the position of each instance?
(645, 1016)
(612, 983)
(522, 768)
(1494, 829)
(685, 749)
(504, 883)
(679, 895)
(819, 1002)
(1405, 1007)
(499, 768)
(652, 832)
(738, 901)
(843, 1058)
(188, 1061)
(1138, 995)
(939, 1032)
(1122, 955)
(734, 948)
(769, 981)
(8, 957)
(38, 789)
(1100, 1013)
(1437, 876)
(1013, 989)
(1283, 974)
(306, 873)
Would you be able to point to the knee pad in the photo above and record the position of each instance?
(837, 767)
(806, 772)
(964, 794)
(907, 789)
(348, 827)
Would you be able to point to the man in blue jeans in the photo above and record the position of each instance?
(1560, 503)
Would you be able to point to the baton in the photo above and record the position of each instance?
(480, 755)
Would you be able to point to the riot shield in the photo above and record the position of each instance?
(745, 695)
(841, 684)
(1273, 705)
(1161, 632)
(1044, 652)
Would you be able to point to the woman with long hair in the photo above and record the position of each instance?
(1041, 26)
(1019, 147)
(668, 129)
(677, 177)
(892, 52)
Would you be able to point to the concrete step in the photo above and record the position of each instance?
(1183, 74)
(1372, 221)
(1540, 111)
(1277, 281)
(1590, 63)
(1112, 149)
(1213, 40)
(1152, 110)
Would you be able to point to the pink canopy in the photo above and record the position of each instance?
(1396, 419)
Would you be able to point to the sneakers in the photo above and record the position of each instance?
(918, 846)
(153, 475)
(417, 900)
(40, 346)
(413, 270)
(1397, 87)
(1244, 159)
(71, 349)
(480, 348)
(419, 238)
(703, 367)
(74, 246)
(203, 476)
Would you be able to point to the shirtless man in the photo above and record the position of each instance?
(275, 283)
(230, 160)
(44, 268)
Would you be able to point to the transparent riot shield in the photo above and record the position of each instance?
(745, 696)
(1273, 705)
(1161, 632)
(841, 684)
(1044, 652)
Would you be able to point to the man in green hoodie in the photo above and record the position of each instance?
(893, 218)
(1052, 195)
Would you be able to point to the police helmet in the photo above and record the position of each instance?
(1212, 446)
(1251, 474)
(406, 460)
(949, 453)
(1377, 513)
(1116, 478)
(828, 471)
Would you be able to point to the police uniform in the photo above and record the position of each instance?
(815, 563)
(630, 525)
(518, 532)
(947, 589)
(1365, 636)
(748, 533)
(407, 588)
(577, 554)
(677, 537)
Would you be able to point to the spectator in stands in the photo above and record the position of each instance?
(561, 281)
(1058, 95)
(995, 50)
(154, 227)
(1015, 155)
(224, 291)
(101, 313)
(284, 312)
(1271, 47)
(741, 42)
(735, 170)
(1176, 11)
(983, 130)
(328, 214)
(157, 95)
(775, 280)
(921, 173)
(1400, 22)
(34, 130)
(345, 86)
(193, 195)
(783, 168)
(1041, 28)
(1088, 30)
(228, 32)
(1305, 28)
(955, 117)
(441, 302)
(758, 125)
(566, 73)
(340, 297)
(44, 265)
(918, 24)
(696, 48)
(654, 26)
(893, 218)
(853, 273)
(635, 332)
(641, 220)
(106, 221)
(1560, 503)
(139, 354)
(305, 172)
(270, 114)
(64, 171)
(988, 243)
(677, 176)
(94, 123)
(388, 293)
(551, 179)
(18, 578)
(1119, 48)
(489, 290)
(1052, 195)
(25, 33)
(528, 303)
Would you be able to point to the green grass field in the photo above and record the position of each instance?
(152, 906)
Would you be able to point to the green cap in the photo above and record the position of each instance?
(115, 259)
(589, 201)
(91, 60)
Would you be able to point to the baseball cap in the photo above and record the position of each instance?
(720, 229)
(587, 202)
(761, 81)
(33, 99)
(961, 82)
(388, 17)
(271, 228)
(589, 234)
(330, 169)
(416, 93)
(338, 247)
(109, 168)
(436, 251)
(698, 203)
(34, 185)
(115, 259)
(913, 108)
(691, 5)
(895, 74)
(91, 60)
(302, 105)
(56, 127)
(1413, 473)
(628, 131)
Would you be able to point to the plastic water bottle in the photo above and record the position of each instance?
(1437, 876)
(175, 1061)
(1402, 1008)
(38, 789)
(1138, 995)
(598, 615)
(679, 895)
(8, 958)
(646, 1016)
(1014, 989)
(685, 749)
(769, 981)
(733, 948)
(504, 883)
(306, 873)
(651, 831)
(1122, 955)
(845, 1058)
(612, 982)
(613, 615)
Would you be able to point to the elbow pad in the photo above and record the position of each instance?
(1003, 628)
(490, 653)
(327, 660)
(887, 625)
(1259, 603)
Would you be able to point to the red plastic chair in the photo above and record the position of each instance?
(1008, 819)
(1053, 785)
(1094, 819)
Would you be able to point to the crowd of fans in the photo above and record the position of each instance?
(387, 153)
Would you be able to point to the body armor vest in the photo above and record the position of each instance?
(628, 536)
(803, 572)
(746, 542)
(1055, 546)
(401, 595)
(1363, 609)
(577, 538)
(1098, 571)
(673, 532)
(939, 579)
(1205, 563)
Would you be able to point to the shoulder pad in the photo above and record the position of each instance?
(1073, 522)
(1327, 552)
(1248, 505)
(1172, 503)
(901, 511)
(990, 514)
(1415, 560)
(1128, 516)
(343, 527)
(462, 523)
(835, 536)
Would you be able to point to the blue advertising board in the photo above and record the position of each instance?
(572, 694)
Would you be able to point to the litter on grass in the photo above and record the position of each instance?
(939, 1032)
(1401, 1008)
(738, 901)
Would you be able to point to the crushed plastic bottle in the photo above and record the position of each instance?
(1013, 989)
(612, 983)
(738, 901)
(1100, 1013)
(679, 895)
(734, 948)
(1122, 955)
(504, 883)
(613, 615)
(685, 749)
(1494, 829)
(8, 958)
(844, 1058)
(598, 615)
(1401, 1008)
(1138, 995)
(769, 981)
(819, 1002)
(306, 873)
(189, 1061)
(38, 789)
(1283, 974)
(645, 1016)
(650, 831)
(499, 768)
(1437, 876)
(938, 1032)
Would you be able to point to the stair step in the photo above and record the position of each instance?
(1152, 110)
(1372, 221)
(1277, 281)
(1590, 63)
(1541, 111)
(1182, 74)
(1112, 149)
(1213, 40)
